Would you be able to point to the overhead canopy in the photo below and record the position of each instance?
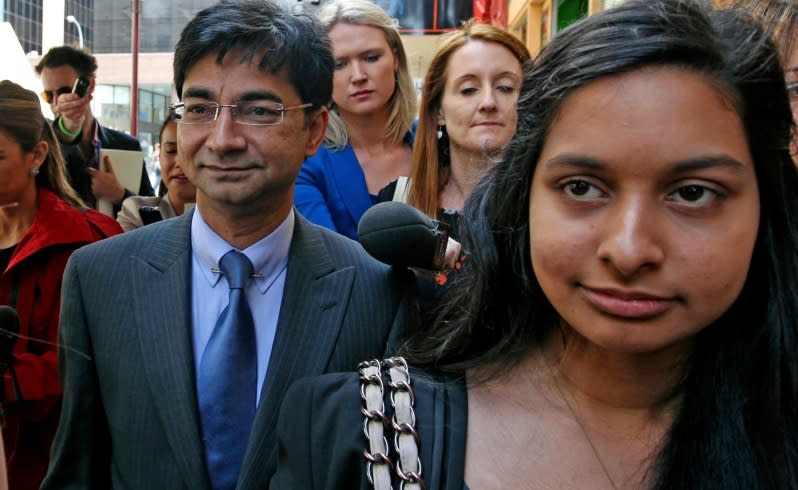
(16, 66)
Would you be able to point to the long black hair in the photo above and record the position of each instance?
(737, 423)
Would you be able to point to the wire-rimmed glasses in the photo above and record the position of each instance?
(249, 112)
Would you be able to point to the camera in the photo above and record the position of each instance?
(81, 86)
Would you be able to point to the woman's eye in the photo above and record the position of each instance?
(468, 90)
(581, 189)
(371, 58)
(339, 64)
(507, 89)
(792, 90)
(694, 195)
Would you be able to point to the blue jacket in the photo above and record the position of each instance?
(331, 189)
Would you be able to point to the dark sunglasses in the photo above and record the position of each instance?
(49, 96)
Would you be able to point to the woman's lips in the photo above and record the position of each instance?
(363, 94)
(627, 304)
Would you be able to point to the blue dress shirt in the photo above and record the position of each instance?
(210, 292)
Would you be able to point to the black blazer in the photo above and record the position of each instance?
(321, 441)
(129, 417)
(78, 165)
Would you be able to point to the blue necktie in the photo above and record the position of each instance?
(227, 379)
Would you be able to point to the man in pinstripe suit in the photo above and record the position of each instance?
(254, 83)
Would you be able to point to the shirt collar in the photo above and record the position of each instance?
(269, 255)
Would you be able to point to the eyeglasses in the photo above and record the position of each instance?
(49, 96)
(250, 112)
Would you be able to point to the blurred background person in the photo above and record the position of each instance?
(175, 191)
(369, 140)
(468, 113)
(780, 18)
(81, 135)
(42, 221)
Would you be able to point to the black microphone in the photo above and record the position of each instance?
(400, 235)
(9, 329)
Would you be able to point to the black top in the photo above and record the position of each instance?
(321, 441)
(5, 257)
(448, 216)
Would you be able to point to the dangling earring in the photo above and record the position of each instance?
(439, 134)
(34, 171)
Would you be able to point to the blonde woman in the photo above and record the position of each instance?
(369, 140)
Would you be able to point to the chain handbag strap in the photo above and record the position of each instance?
(375, 422)
(403, 421)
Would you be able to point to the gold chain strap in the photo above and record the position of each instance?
(403, 422)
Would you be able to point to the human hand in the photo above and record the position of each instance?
(105, 185)
(452, 254)
(453, 261)
(73, 110)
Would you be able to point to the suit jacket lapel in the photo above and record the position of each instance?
(162, 309)
(313, 306)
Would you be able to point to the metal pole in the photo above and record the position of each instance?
(134, 85)
(72, 20)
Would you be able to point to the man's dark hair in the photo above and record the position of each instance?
(83, 63)
(261, 28)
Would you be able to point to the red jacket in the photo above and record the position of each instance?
(35, 271)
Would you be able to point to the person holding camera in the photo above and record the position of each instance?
(68, 77)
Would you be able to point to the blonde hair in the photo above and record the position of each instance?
(403, 100)
(430, 155)
(24, 122)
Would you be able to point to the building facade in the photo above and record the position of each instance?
(28, 19)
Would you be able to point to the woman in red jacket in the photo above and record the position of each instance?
(42, 221)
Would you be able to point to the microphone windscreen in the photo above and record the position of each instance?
(400, 235)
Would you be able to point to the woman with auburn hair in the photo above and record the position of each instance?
(369, 140)
(780, 18)
(628, 316)
(42, 221)
(468, 113)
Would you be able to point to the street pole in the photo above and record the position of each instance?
(134, 85)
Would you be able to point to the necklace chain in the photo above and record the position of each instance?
(582, 428)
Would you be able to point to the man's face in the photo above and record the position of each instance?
(237, 168)
(59, 79)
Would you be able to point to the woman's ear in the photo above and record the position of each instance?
(39, 153)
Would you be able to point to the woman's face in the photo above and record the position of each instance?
(478, 106)
(177, 184)
(644, 209)
(16, 182)
(365, 69)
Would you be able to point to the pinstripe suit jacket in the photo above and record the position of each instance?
(130, 419)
